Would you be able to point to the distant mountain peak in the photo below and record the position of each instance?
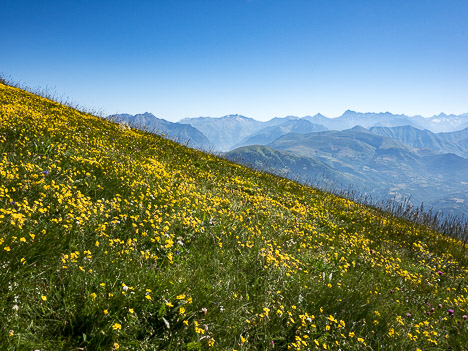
(236, 116)
(146, 114)
(359, 129)
(319, 115)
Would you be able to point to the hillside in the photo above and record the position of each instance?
(114, 238)
(453, 142)
(273, 132)
(301, 168)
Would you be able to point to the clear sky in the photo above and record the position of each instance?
(259, 58)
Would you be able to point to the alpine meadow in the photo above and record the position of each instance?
(115, 238)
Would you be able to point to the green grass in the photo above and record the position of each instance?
(115, 238)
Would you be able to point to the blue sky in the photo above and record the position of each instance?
(259, 58)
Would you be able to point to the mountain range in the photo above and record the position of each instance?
(349, 119)
(182, 133)
(233, 131)
(227, 131)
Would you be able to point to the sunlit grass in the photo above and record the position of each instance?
(112, 238)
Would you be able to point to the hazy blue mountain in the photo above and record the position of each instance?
(232, 131)
(371, 164)
(270, 133)
(447, 123)
(453, 142)
(349, 119)
(277, 121)
(224, 132)
(458, 138)
(319, 119)
(342, 150)
(182, 133)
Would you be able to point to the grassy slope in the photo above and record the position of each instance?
(114, 238)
